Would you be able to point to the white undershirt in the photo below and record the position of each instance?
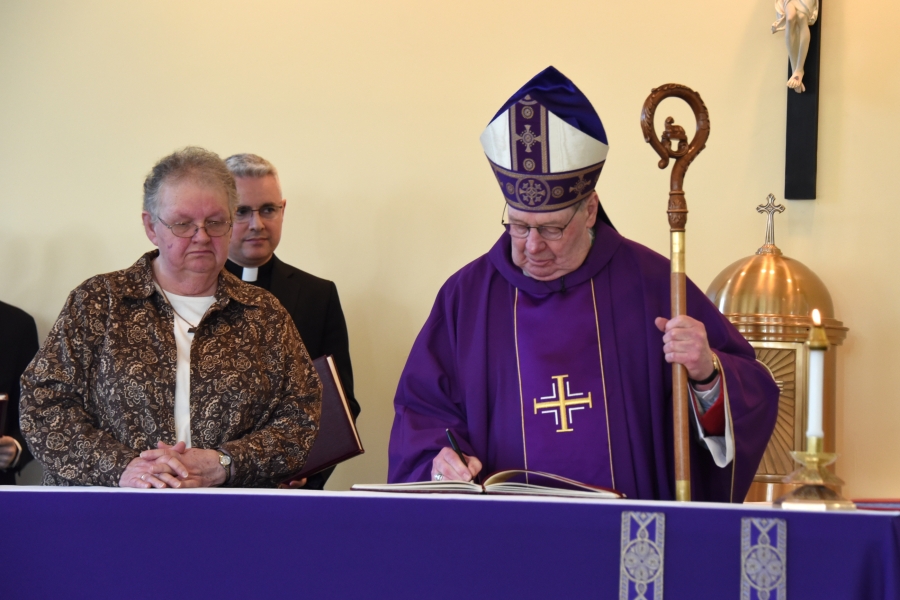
(191, 308)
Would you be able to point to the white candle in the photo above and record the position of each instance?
(816, 378)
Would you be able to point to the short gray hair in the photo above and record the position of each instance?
(193, 163)
(250, 165)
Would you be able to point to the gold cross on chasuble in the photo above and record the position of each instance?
(561, 400)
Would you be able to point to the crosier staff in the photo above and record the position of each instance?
(683, 154)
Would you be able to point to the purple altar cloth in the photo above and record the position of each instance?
(101, 543)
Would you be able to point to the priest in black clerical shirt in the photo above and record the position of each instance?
(18, 345)
(312, 302)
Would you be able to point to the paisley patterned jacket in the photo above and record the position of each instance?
(102, 387)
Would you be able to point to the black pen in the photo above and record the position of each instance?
(456, 449)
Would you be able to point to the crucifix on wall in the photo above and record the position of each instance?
(801, 22)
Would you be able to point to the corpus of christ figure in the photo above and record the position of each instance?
(795, 18)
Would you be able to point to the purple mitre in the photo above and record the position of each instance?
(546, 144)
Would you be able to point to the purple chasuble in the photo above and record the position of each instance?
(463, 374)
(564, 417)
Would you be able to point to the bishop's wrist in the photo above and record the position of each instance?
(706, 380)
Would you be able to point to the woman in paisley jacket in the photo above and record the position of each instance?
(172, 372)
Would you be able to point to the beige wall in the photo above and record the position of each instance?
(372, 112)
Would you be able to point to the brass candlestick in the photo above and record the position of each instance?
(814, 474)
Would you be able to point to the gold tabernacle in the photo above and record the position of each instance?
(768, 297)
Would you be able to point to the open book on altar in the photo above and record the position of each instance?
(516, 481)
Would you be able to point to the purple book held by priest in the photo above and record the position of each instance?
(543, 353)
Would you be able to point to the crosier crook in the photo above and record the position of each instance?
(683, 154)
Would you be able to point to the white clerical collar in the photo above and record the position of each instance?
(250, 273)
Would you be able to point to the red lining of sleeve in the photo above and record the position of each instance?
(713, 420)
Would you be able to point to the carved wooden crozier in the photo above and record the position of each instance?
(683, 154)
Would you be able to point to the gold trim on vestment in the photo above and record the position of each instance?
(612, 472)
(519, 372)
(729, 421)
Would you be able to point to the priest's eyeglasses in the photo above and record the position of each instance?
(267, 213)
(548, 232)
(189, 230)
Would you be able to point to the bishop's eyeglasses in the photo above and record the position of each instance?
(548, 232)
(189, 230)
(267, 212)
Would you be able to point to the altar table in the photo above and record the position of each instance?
(111, 543)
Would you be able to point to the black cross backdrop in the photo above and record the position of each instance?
(802, 132)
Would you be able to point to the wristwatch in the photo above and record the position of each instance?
(225, 461)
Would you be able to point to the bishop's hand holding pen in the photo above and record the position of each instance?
(452, 464)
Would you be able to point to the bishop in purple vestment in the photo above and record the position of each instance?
(551, 352)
